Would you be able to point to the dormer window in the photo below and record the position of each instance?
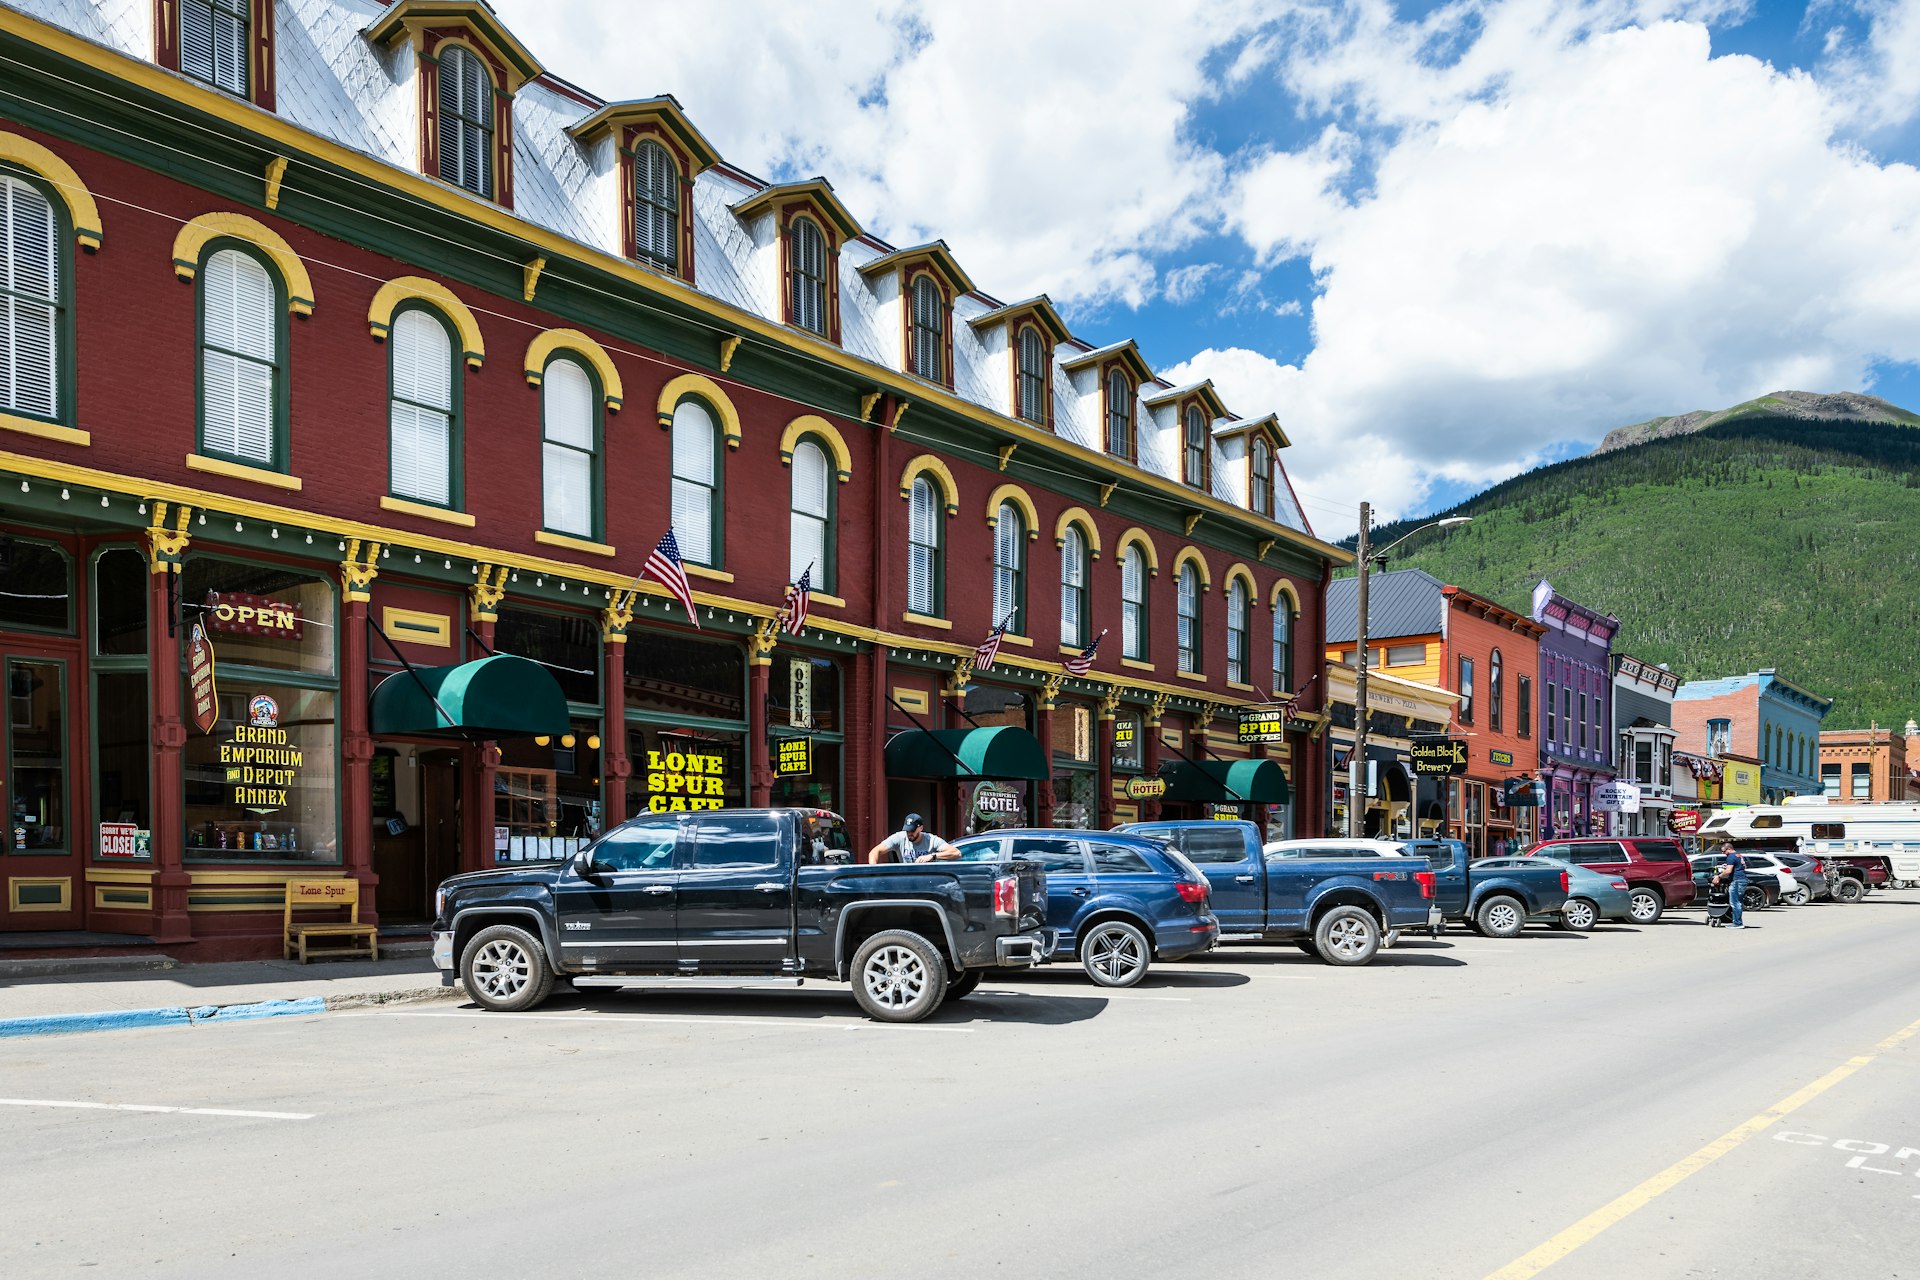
(929, 345)
(656, 204)
(1195, 448)
(1119, 414)
(922, 282)
(810, 225)
(1260, 482)
(658, 154)
(225, 43)
(1024, 334)
(1032, 375)
(466, 122)
(807, 278)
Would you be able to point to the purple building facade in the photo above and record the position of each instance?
(1576, 712)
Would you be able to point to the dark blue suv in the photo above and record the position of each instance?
(1118, 901)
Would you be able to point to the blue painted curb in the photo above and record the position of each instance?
(125, 1019)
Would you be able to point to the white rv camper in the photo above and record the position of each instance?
(1856, 834)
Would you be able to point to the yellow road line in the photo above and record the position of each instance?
(1537, 1260)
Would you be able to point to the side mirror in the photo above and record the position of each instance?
(592, 868)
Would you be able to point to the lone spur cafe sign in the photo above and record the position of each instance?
(1448, 755)
(237, 613)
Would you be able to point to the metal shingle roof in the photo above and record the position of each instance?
(1402, 602)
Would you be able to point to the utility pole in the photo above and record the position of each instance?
(1357, 762)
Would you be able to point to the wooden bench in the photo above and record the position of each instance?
(328, 895)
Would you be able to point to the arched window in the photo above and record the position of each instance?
(1133, 604)
(1033, 375)
(34, 346)
(924, 540)
(1237, 631)
(1119, 415)
(569, 449)
(1187, 615)
(696, 483)
(656, 205)
(1496, 697)
(1282, 645)
(807, 249)
(1260, 484)
(213, 42)
(1194, 448)
(242, 365)
(810, 540)
(1073, 588)
(1010, 569)
(466, 121)
(929, 351)
(420, 417)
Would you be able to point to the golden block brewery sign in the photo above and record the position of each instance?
(682, 780)
(260, 759)
(1449, 755)
(792, 757)
(200, 686)
(1263, 724)
(243, 615)
(1146, 788)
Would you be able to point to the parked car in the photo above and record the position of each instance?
(1654, 867)
(1117, 902)
(767, 895)
(1337, 907)
(1763, 890)
(1592, 896)
(1809, 871)
(1794, 891)
(1492, 901)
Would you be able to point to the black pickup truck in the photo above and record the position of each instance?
(756, 894)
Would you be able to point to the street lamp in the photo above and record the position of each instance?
(1357, 762)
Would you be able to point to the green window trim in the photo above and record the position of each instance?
(456, 434)
(596, 478)
(64, 395)
(66, 557)
(282, 378)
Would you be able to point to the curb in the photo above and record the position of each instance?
(175, 1015)
(407, 995)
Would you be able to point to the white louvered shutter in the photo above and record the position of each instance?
(239, 357)
(567, 453)
(928, 328)
(213, 42)
(422, 416)
(1033, 376)
(1007, 533)
(1132, 594)
(29, 300)
(808, 543)
(1237, 632)
(466, 122)
(809, 278)
(1187, 603)
(923, 536)
(656, 231)
(1073, 585)
(693, 480)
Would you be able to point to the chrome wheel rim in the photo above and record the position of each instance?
(1644, 908)
(503, 969)
(894, 977)
(1115, 955)
(1580, 915)
(1348, 937)
(1501, 916)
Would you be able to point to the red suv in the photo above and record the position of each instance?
(1655, 869)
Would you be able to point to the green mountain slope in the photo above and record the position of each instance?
(1759, 541)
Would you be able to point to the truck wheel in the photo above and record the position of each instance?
(505, 969)
(1848, 890)
(898, 976)
(1578, 916)
(1644, 906)
(962, 987)
(1347, 936)
(1115, 954)
(1501, 916)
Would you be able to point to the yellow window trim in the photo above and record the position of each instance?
(1191, 675)
(426, 511)
(1240, 685)
(1023, 641)
(1135, 664)
(1140, 536)
(550, 341)
(81, 209)
(16, 883)
(193, 237)
(1018, 497)
(241, 471)
(821, 597)
(925, 620)
(414, 626)
(45, 430)
(1191, 555)
(570, 543)
(1239, 572)
(387, 300)
(701, 571)
(928, 465)
(1088, 529)
(810, 424)
(693, 384)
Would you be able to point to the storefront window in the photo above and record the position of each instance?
(36, 586)
(260, 615)
(677, 769)
(567, 645)
(262, 783)
(803, 693)
(123, 787)
(37, 754)
(679, 676)
(819, 789)
(1076, 798)
(1126, 744)
(120, 578)
(547, 794)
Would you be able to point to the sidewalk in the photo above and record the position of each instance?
(187, 993)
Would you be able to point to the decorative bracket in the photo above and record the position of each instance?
(1006, 452)
(1110, 702)
(615, 618)
(358, 571)
(1050, 690)
(530, 276)
(1193, 522)
(1106, 491)
(1158, 709)
(962, 677)
(276, 173)
(766, 634)
(1260, 552)
(728, 345)
(867, 402)
(165, 546)
(483, 598)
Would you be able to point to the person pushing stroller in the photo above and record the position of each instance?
(1729, 879)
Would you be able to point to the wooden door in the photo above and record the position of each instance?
(44, 846)
(440, 818)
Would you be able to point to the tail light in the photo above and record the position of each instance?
(1565, 883)
(1619, 884)
(1819, 867)
(1190, 892)
(1425, 880)
(1006, 897)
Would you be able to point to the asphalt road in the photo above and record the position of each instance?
(1596, 1106)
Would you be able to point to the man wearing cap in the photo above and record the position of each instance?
(912, 843)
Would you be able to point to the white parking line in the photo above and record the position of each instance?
(648, 1019)
(135, 1106)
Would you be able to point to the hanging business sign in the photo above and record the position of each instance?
(1146, 788)
(792, 757)
(1263, 724)
(682, 780)
(1683, 822)
(1616, 797)
(237, 613)
(1444, 756)
(1500, 757)
(200, 685)
(997, 800)
(800, 694)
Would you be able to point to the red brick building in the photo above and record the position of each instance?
(319, 386)
(1492, 660)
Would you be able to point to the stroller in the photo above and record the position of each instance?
(1719, 904)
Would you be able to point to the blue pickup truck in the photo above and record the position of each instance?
(1336, 908)
(1493, 901)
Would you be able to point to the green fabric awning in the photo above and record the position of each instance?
(1226, 781)
(502, 696)
(1004, 752)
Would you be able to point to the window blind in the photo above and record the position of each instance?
(694, 447)
(807, 542)
(213, 42)
(809, 270)
(1033, 375)
(1073, 586)
(928, 328)
(29, 300)
(239, 361)
(567, 452)
(1007, 535)
(1187, 602)
(422, 409)
(656, 233)
(466, 122)
(1132, 604)
(1237, 632)
(923, 540)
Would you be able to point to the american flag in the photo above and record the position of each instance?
(664, 565)
(793, 611)
(990, 647)
(1080, 665)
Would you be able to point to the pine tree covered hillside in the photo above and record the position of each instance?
(1764, 541)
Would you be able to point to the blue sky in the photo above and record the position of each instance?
(1444, 242)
